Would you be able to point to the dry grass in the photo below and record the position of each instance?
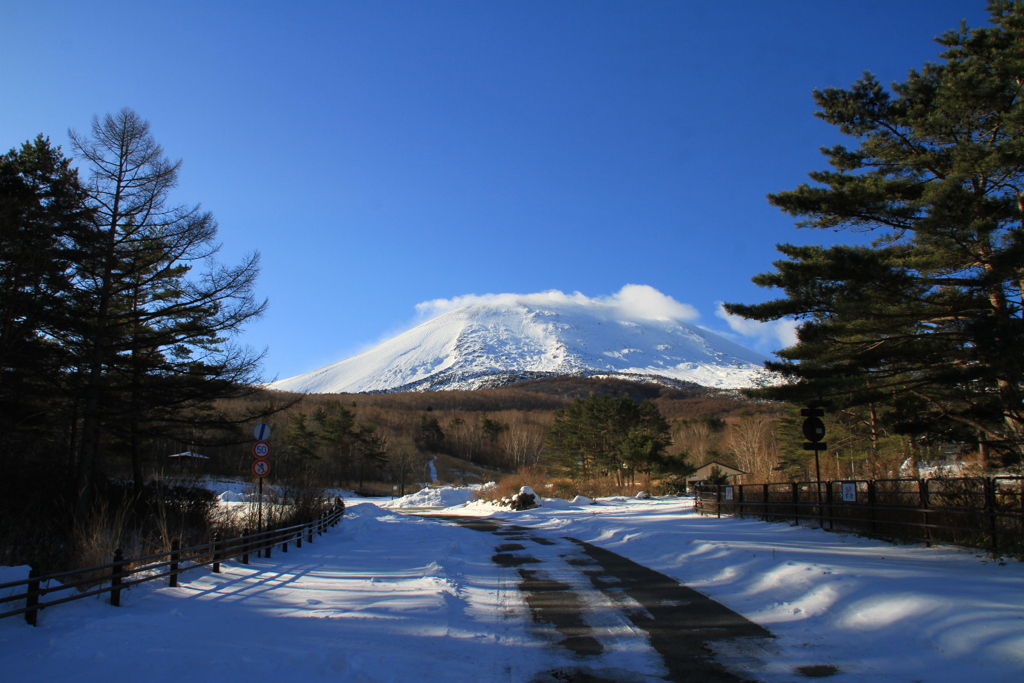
(96, 539)
(510, 484)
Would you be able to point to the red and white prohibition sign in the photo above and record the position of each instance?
(260, 468)
(261, 449)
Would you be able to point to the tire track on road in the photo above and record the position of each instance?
(678, 622)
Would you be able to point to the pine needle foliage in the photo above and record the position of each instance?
(924, 325)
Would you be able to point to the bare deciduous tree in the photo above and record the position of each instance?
(153, 335)
(752, 441)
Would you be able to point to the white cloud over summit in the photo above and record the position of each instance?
(641, 302)
(777, 334)
(636, 302)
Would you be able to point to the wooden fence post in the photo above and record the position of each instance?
(764, 489)
(245, 545)
(32, 599)
(739, 501)
(216, 553)
(268, 551)
(175, 555)
(115, 581)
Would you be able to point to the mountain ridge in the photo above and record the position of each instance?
(495, 344)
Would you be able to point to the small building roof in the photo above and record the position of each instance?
(704, 471)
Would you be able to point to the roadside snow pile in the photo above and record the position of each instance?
(527, 499)
(229, 490)
(444, 497)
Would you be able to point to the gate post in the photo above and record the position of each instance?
(828, 502)
(922, 487)
(796, 504)
(872, 502)
(990, 512)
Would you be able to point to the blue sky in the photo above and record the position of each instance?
(383, 154)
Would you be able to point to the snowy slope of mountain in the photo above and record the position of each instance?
(493, 344)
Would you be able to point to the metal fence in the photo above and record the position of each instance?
(975, 512)
(38, 592)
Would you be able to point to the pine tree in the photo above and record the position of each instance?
(927, 321)
(598, 436)
(43, 220)
(154, 336)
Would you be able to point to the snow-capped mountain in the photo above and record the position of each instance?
(502, 341)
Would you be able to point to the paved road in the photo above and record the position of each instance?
(679, 622)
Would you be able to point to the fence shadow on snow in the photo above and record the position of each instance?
(38, 592)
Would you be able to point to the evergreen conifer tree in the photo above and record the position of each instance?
(43, 222)
(927, 321)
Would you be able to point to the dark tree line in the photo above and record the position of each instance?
(330, 446)
(117, 324)
(603, 436)
(921, 331)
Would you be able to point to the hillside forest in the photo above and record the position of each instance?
(386, 440)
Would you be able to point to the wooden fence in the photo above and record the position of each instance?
(975, 512)
(37, 592)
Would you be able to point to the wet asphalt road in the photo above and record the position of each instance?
(680, 623)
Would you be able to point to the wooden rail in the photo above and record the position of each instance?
(122, 572)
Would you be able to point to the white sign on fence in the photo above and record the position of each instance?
(849, 492)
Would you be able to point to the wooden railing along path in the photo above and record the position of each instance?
(38, 592)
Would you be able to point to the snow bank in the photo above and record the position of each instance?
(442, 496)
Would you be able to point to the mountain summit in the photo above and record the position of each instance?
(512, 338)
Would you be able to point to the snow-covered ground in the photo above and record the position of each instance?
(392, 597)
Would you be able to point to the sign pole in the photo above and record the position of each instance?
(260, 450)
(814, 430)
